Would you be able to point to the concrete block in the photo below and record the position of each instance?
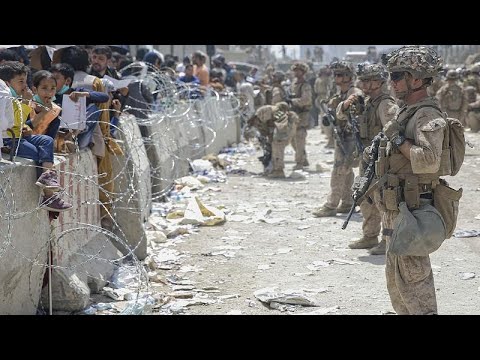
(23, 239)
(70, 291)
(133, 200)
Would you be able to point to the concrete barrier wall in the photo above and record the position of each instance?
(78, 176)
(23, 239)
(133, 189)
(82, 254)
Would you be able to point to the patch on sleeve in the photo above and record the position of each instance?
(434, 125)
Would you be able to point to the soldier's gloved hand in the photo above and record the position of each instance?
(392, 130)
(325, 121)
(357, 184)
(366, 155)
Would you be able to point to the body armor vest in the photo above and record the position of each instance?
(371, 123)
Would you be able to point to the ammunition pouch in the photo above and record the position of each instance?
(391, 193)
(363, 129)
(446, 200)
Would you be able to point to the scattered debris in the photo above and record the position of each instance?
(284, 250)
(466, 233)
(235, 312)
(388, 312)
(263, 267)
(467, 276)
(225, 297)
(322, 311)
(226, 253)
(292, 297)
(304, 227)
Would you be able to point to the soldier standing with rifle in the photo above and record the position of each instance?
(380, 108)
(419, 151)
(342, 174)
(300, 101)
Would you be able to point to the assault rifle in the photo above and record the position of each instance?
(330, 118)
(353, 119)
(362, 183)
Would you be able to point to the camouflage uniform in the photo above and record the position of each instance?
(473, 114)
(436, 85)
(301, 103)
(341, 180)
(409, 278)
(277, 124)
(278, 92)
(322, 88)
(473, 78)
(452, 98)
(379, 110)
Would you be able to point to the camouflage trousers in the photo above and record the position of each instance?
(473, 121)
(328, 131)
(371, 213)
(409, 279)
(341, 180)
(278, 154)
(299, 139)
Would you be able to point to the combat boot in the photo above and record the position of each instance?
(364, 243)
(379, 249)
(276, 174)
(306, 163)
(298, 167)
(324, 212)
(344, 208)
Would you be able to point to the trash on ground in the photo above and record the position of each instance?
(466, 233)
(292, 297)
(303, 227)
(263, 267)
(467, 276)
(226, 253)
(235, 312)
(322, 311)
(226, 297)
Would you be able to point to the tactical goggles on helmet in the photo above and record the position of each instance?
(397, 75)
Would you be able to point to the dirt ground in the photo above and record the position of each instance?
(354, 283)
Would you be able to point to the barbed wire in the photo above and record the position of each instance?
(180, 125)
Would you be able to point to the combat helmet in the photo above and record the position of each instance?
(278, 75)
(453, 74)
(300, 66)
(367, 71)
(264, 113)
(471, 93)
(475, 69)
(281, 106)
(420, 61)
(343, 67)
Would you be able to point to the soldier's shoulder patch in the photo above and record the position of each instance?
(434, 125)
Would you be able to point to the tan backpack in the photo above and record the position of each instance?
(454, 141)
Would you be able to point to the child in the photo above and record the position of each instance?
(44, 119)
(6, 109)
(36, 147)
(64, 74)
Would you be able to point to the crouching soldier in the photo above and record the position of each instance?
(276, 125)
